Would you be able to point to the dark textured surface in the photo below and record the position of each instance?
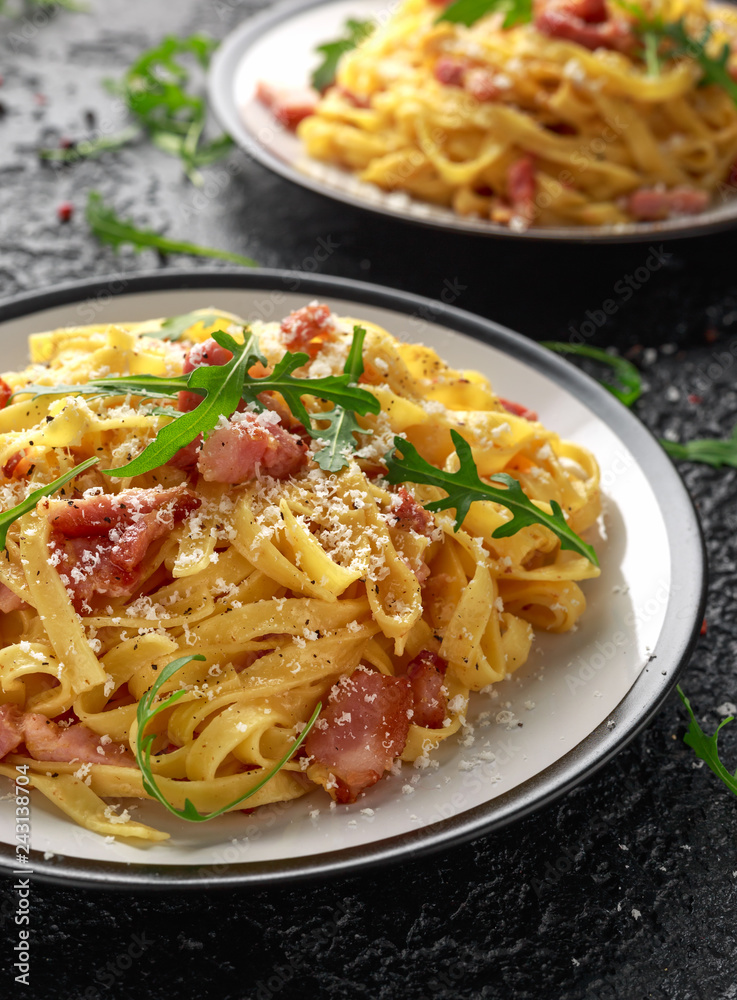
(545, 908)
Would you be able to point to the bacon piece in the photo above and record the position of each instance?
(451, 72)
(99, 542)
(5, 393)
(253, 442)
(45, 740)
(186, 457)
(422, 572)
(308, 328)
(412, 514)
(354, 99)
(10, 601)
(650, 205)
(11, 729)
(517, 409)
(20, 464)
(360, 732)
(426, 673)
(590, 11)
(288, 106)
(209, 352)
(97, 515)
(232, 453)
(12, 463)
(479, 82)
(585, 22)
(521, 187)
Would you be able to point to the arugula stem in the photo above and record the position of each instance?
(111, 229)
(706, 747)
(146, 711)
(708, 451)
(89, 149)
(8, 517)
(652, 60)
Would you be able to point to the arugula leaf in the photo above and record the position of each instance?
(111, 229)
(147, 711)
(706, 747)
(714, 69)
(709, 451)
(91, 148)
(154, 90)
(469, 11)
(146, 386)
(630, 380)
(355, 32)
(336, 438)
(173, 327)
(222, 385)
(8, 517)
(341, 390)
(464, 487)
(675, 42)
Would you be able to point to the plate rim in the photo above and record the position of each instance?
(641, 703)
(223, 66)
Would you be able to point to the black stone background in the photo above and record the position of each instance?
(542, 909)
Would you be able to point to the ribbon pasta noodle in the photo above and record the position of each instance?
(297, 588)
(556, 122)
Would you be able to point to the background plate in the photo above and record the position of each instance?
(580, 697)
(278, 48)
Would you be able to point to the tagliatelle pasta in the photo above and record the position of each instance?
(295, 585)
(567, 120)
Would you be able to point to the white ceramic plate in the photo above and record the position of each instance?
(580, 698)
(278, 47)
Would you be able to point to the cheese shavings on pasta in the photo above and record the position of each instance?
(593, 114)
(254, 583)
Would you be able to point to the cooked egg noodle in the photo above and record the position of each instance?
(283, 586)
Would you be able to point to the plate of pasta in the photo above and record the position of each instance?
(554, 119)
(283, 593)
